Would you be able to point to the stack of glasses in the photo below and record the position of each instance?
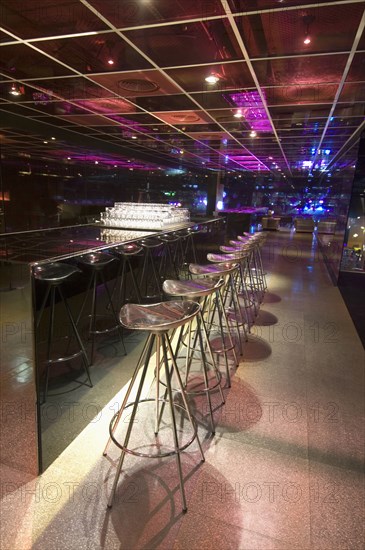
(144, 215)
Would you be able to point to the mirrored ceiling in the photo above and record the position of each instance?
(260, 85)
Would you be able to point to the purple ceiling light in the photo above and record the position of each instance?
(253, 110)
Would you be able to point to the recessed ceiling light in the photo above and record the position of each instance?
(238, 114)
(53, 138)
(15, 90)
(110, 62)
(253, 133)
(68, 158)
(212, 79)
(45, 142)
(96, 162)
(134, 137)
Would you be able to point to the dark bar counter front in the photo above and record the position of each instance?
(35, 429)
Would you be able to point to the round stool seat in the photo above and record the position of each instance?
(191, 288)
(224, 258)
(159, 317)
(151, 242)
(234, 249)
(128, 249)
(189, 231)
(169, 238)
(97, 260)
(54, 273)
(240, 243)
(212, 269)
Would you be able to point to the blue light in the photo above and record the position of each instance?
(327, 151)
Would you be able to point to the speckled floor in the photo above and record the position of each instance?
(284, 470)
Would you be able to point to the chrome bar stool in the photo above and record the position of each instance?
(150, 282)
(252, 270)
(168, 264)
(55, 274)
(230, 271)
(158, 319)
(185, 251)
(200, 289)
(126, 253)
(95, 263)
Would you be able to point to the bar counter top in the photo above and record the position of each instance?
(64, 242)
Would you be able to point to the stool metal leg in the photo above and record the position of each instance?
(173, 418)
(119, 327)
(129, 429)
(77, 335)
(144, 357)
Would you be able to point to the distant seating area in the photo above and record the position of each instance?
(326, 226)
(270, 223)
(304, 225)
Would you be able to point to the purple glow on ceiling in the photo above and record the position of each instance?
(252, 109)
(250, 163)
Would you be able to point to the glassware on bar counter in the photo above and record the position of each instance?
(144, 215)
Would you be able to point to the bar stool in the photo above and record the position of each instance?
(198, 289)
(187, 248)
(249, 290)
(150, 283)
(168, 265)
(250, 270)
(125, 253)
(158, 319)
(95, 263)
(55, 274)
(230, 271)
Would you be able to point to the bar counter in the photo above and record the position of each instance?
(23, 421)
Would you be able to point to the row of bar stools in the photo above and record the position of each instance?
(258, 239)
(199, 290)
(55, 275)
(162, 321)
(247, 247)
(159, 320)
(248, 289)
(95, 264)
(239, 315)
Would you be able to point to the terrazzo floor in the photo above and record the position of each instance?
(283, 471)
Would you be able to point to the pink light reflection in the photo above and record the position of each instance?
(253, 110)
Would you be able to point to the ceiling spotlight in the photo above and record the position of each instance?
(53, 138)
(16, 90)
(68, 158)
(212, 79)
(238, 114)
(96, 162)
(110, 61)
(307, 20)
(253, 133)
(45, 142)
